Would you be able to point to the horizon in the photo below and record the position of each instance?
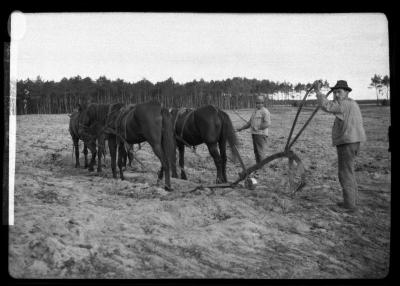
(189, 47)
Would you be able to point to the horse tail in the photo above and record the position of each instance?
(228, 132)
(168, 139)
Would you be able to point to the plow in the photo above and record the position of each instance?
(296, 166)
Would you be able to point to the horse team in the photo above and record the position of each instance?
(165, 131)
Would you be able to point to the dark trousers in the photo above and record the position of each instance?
(259, 146)
(346, 157)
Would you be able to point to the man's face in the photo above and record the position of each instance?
(259, 103)
(340, 94)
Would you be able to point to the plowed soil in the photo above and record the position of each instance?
(70, 223)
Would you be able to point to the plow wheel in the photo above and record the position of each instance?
(295, 171)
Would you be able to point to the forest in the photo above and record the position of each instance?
(50, 97)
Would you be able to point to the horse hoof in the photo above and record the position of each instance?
(168, 189)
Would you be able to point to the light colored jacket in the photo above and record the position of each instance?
(348, 125)
(259, 116)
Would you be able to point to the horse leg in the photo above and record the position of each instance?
(160, 173)
(157, 149)
(92, 148)
(76, 146)
(123, 158)
(112, 146)
(100, 154)
(222, 151)
(85, 153)
(213, 149)
(130, 157)
(121, 155)
(173, 167)
(181, 149)
(104, 154)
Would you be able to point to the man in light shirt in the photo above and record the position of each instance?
(347, 133)
(259, 122)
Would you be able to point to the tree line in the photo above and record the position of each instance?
(39, 96)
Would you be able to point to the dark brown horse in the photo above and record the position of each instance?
(139, 123)
(208, 125)
(92, 123)
(73, 130)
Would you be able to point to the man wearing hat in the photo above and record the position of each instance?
(347, 133)
(259, 122)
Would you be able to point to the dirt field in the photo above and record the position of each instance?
(70, 223)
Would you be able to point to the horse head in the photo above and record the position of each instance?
(85, 122)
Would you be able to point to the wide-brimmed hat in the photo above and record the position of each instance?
(341, 84)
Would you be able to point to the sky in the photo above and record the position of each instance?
(193, 46)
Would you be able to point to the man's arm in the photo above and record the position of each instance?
(247, 125)
(327, 105)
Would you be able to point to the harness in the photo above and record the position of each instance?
(121, 124)
(180, 136)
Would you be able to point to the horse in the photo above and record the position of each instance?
(74, 131)
(138, 123)
(209, 125)
(92, 121)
